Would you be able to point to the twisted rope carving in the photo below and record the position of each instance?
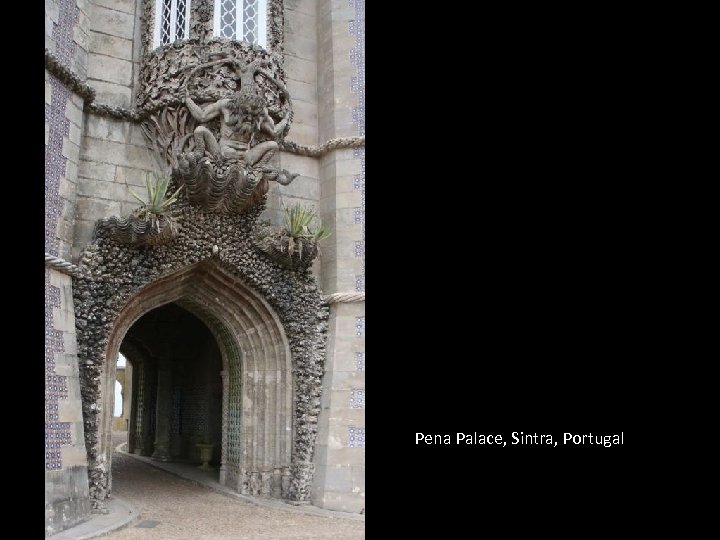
(61, 265)
(119, 113)
(319, 151)
(341, 298)
(68, 77)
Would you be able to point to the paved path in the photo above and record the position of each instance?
(187, 511)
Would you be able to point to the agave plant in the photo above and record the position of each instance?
(296, 244)
(298, 231)
(156, 206)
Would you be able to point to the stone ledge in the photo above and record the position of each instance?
(121, 513)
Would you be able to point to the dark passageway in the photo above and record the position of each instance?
(176, 401)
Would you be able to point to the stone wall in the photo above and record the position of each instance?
(114, 155)
(113, 50)
(340, 454)
(66, 485)
(114, 159)
(300, 62)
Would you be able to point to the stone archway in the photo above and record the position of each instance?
(257, 372)
(268, 320)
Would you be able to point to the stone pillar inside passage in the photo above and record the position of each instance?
(163, 412)
(132, 412)
(144, 412)
(223, 454)
(127, 395)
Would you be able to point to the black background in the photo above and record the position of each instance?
(503, 264)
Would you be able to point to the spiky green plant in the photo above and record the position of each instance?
(299, 229)
(157, 204)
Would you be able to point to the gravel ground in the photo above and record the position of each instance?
(189, 511)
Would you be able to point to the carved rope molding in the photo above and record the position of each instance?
(329, 146)
(68, 77)
(342, 298)
(61, 265)
(118, 113)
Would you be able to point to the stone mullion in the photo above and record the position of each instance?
(201, 20)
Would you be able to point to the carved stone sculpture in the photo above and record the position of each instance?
(230, 171)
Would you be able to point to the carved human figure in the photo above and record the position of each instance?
(244, 119)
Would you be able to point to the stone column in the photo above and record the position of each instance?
(163, 413)
(144, 413)
(127, 391)
(339, 480)
(223, 446)
(132, 415)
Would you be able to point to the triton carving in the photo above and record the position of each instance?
(230, 172)
(220, 150)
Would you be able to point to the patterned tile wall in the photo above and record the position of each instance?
(55, 162)
(356, 437)
(359, 326)
(357, 399)
(360, 361)
(57, 434)
(357, 86)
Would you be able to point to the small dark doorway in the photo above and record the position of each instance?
(176, 388)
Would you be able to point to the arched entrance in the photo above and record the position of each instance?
(176, 402)
(177, 332)
(269, 324)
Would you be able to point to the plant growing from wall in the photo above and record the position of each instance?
(298, 223)
(156, 208)
(151, 223)
(296, 244)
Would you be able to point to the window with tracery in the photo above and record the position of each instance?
(243, 20)
(172, 21)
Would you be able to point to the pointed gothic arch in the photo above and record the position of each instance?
(257, 370)
(268, 321)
